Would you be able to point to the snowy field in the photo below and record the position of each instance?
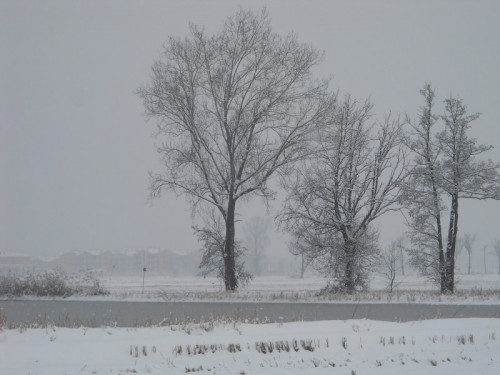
(454, 346)
(470, 289)
(351, 347)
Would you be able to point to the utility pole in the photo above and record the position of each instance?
(143, 269)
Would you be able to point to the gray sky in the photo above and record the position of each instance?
(75, 150)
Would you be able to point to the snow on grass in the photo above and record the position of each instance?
(453, 346)
(470, 289)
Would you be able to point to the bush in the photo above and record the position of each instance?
(50, 283)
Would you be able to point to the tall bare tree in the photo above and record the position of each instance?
(468, 243)
(484, 258)
(446, 166)
(390, 263)
(463, 175)
(423, 195)
(233, 109)
(333, 199)
(299, 248)
(400, 245)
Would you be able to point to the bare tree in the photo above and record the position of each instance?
(211, 235)
(400, 246)
(464, 176)
(390, 264)
(304, 263)
(299, 248)
(333, 199)
(233, 109)
(496, 250)
(422, 194)
(446, 165)
(468, 242)
(257, 239)
(484, 258)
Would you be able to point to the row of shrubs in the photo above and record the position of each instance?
(51, 283)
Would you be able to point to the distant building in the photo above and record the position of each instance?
(157, 262)
(18, 263)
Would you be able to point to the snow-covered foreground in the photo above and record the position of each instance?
(453, 346)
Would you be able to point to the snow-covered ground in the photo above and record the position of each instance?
(454, 346)
(470, 289)
(445, 346)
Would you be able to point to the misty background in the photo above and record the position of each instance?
(75, 150)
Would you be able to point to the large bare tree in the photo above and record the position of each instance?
(422, 194)
(446, 166)
(464, 175)
(353, 179)
(233, 109)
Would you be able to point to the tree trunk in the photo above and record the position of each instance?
(302, 267)
(450, 248)
(349, 276)
(442, 262)
(442, 270)
(230, 280)
(349, 283)
(402, 260)
(256, 259)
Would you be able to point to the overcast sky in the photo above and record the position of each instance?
(75, 149)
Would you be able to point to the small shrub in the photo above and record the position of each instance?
(261, 347)
(177, 350)
(270, 347)
(344, 342)
(283, 346)
(233, 348)
(307, 345)
(194, 369)
(50, 284)
(88, 284)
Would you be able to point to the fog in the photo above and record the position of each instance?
(75, 149)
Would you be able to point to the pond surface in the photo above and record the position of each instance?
(128, 314)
